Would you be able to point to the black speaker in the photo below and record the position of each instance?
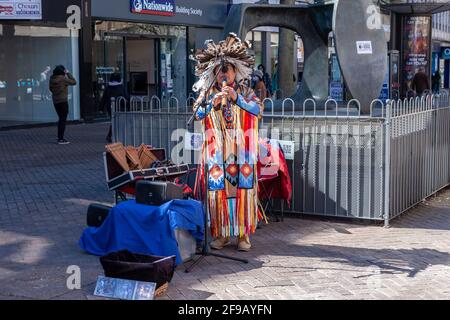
(156, 193)
(97, 214)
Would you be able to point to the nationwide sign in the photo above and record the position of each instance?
(155, 7)
(20, 9)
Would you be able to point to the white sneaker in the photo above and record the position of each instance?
(63, 141)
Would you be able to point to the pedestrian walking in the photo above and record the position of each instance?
(436, 82)
(275, 80)
(258, 85)
(59, 84)
(114, 89)
(420, 82)
(267, 80)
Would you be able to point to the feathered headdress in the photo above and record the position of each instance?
(231, 50)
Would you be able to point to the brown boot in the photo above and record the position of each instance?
(219, 243)
(244, 244)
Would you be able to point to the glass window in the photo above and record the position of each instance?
(274, 43)
(255, 39)
(256, 36)
(28, 55)
(257, 47)
(249, 37)
(150, 58)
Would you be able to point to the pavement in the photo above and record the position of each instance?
(45, 190)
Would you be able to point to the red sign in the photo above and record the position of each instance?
(6, 10)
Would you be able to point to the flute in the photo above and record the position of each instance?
(224, 98)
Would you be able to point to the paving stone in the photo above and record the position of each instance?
(45, 190)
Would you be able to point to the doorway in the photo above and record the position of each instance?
(151, 59)
(134, 58)
(142, 66)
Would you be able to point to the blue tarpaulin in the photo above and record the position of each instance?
(145, 229)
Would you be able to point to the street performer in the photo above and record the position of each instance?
(229, 111)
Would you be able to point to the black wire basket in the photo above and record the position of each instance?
(132, 266)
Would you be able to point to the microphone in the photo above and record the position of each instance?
(224, 99)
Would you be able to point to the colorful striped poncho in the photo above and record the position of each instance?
(232, 153)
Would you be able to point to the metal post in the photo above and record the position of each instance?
(387, 165)
(113, 119)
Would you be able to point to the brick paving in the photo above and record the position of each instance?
(45, 190)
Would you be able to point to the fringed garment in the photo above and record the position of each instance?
(232, 154)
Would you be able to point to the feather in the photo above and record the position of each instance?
(233, 50)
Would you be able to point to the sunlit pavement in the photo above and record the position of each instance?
(45, 189)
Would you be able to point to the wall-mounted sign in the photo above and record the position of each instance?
(213, 13)
(336, 91)
(74, 17)
(336, 88)
(445, 53)
(189, 11)
(155, 7)
(288, 147)
(384, 95)
(364, 47)
(105, 70)
(20, 10)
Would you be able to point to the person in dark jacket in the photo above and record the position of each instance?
(59, 84)
(420, 82)
(267, 80)
(258, 85)
(436, 82)
(114, 89)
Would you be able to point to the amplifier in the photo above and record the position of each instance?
(96, 214)
(156, 193)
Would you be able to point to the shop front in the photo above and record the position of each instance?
(151, 59)
(35, 37)
(414, 25)
(149, 43)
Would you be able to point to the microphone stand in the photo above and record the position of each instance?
(206, 250)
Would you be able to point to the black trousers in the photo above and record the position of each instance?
(62, 109)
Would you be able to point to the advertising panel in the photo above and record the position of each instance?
(20, 10)
(416, 47)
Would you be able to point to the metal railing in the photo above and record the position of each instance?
(419, 131)
(345, 164)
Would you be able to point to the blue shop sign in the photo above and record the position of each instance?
(384, 95)
(445, 52)
(155, 7)
(336, 91)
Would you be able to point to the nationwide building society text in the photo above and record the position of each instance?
(189, 11)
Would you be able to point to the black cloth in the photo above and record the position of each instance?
(62, 109)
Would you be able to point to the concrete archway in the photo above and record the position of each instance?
(363, 73)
